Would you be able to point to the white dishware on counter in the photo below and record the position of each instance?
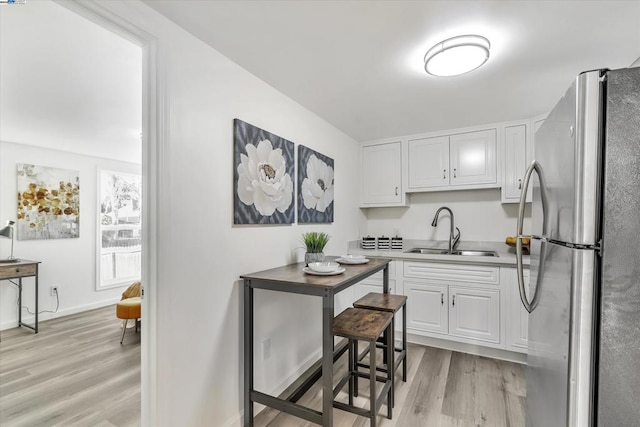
(308, 270)
(324, 267)
(352, 259)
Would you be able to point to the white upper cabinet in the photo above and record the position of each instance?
(453, 162)
(474, 158)
(429, 162)
(382, 174)
(516, 160)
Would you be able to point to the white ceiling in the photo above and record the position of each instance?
(358, 64)
(68, 84)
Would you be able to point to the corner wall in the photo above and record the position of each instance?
(68, 263)
(202, 254)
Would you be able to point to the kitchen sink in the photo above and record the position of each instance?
(430, 251)
(433, 251)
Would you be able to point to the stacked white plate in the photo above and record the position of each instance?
(352, 259)
(324, 268)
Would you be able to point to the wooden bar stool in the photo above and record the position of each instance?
(357, 324)
(388, 303)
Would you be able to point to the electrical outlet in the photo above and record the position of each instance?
(54, 290)
(266, 349)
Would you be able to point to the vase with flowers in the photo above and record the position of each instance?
(314, 243)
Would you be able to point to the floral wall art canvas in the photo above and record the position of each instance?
(263, 171)
(48, 203)
(315, 186)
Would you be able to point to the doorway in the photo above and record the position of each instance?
(146, 133)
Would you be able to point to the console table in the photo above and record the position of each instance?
(19, 270)
(292, 279)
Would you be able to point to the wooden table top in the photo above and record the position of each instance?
(292, 274)
(18, 263)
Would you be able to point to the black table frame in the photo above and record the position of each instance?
(20, 274)
(329, 353)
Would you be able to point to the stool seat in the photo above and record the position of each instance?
(382, 302)
(361, 324)
(130, 308)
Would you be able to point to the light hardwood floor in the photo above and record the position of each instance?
(443, 389)
(74, 372)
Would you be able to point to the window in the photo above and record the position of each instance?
(120, 229)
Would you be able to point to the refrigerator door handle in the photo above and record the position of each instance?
(534, 166)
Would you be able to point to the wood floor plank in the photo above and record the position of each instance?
(74, 372)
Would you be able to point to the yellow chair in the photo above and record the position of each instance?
(130, 307)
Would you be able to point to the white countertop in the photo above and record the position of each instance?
(506, 254)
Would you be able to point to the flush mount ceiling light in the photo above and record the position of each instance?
(457, 55)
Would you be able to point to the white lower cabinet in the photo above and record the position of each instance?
(517, 316)
(427, 307)
(475, 313)
(458, 302)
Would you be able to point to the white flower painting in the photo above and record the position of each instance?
(263, 171)
(315, 186)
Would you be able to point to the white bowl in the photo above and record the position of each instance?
(324, 267)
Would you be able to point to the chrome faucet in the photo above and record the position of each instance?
(453, 241)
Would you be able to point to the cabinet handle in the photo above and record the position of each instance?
(520, 184)
(441, 299)
(454, 172)
(454, 301)
(444, 174)
(396, 191)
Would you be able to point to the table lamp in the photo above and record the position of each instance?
(7, 232)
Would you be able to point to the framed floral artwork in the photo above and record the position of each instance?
(315, 186)
(48, 203)
(262, 176)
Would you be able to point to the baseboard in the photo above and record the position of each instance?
(61, 313)
(494, 353)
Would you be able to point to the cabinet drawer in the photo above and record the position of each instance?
(453, 272)
(10, 272)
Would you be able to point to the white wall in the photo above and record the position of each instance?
(202, 255)
(478, 214)
(68, 263)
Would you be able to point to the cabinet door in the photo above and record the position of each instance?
(429, 162)
(473, 158)
(516, 160)
(426, 307)
(474, 313)
(518, 319)
(382, 173)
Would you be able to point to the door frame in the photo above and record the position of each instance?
(154, 145)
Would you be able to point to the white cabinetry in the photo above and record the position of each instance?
(517, 315)
(475, 313)
(517, 149)
(454, 301)
(427, 306)
(452, 162)
(381, 167)
(428, 162)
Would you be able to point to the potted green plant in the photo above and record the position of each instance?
(314, 243)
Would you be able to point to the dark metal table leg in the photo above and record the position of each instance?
(36, 323)
(20, 302)
(248, 353)
(327, 359)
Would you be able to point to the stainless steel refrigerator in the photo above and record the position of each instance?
(583, 364)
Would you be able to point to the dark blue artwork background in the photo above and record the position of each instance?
(243, 134)
(312, 216)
